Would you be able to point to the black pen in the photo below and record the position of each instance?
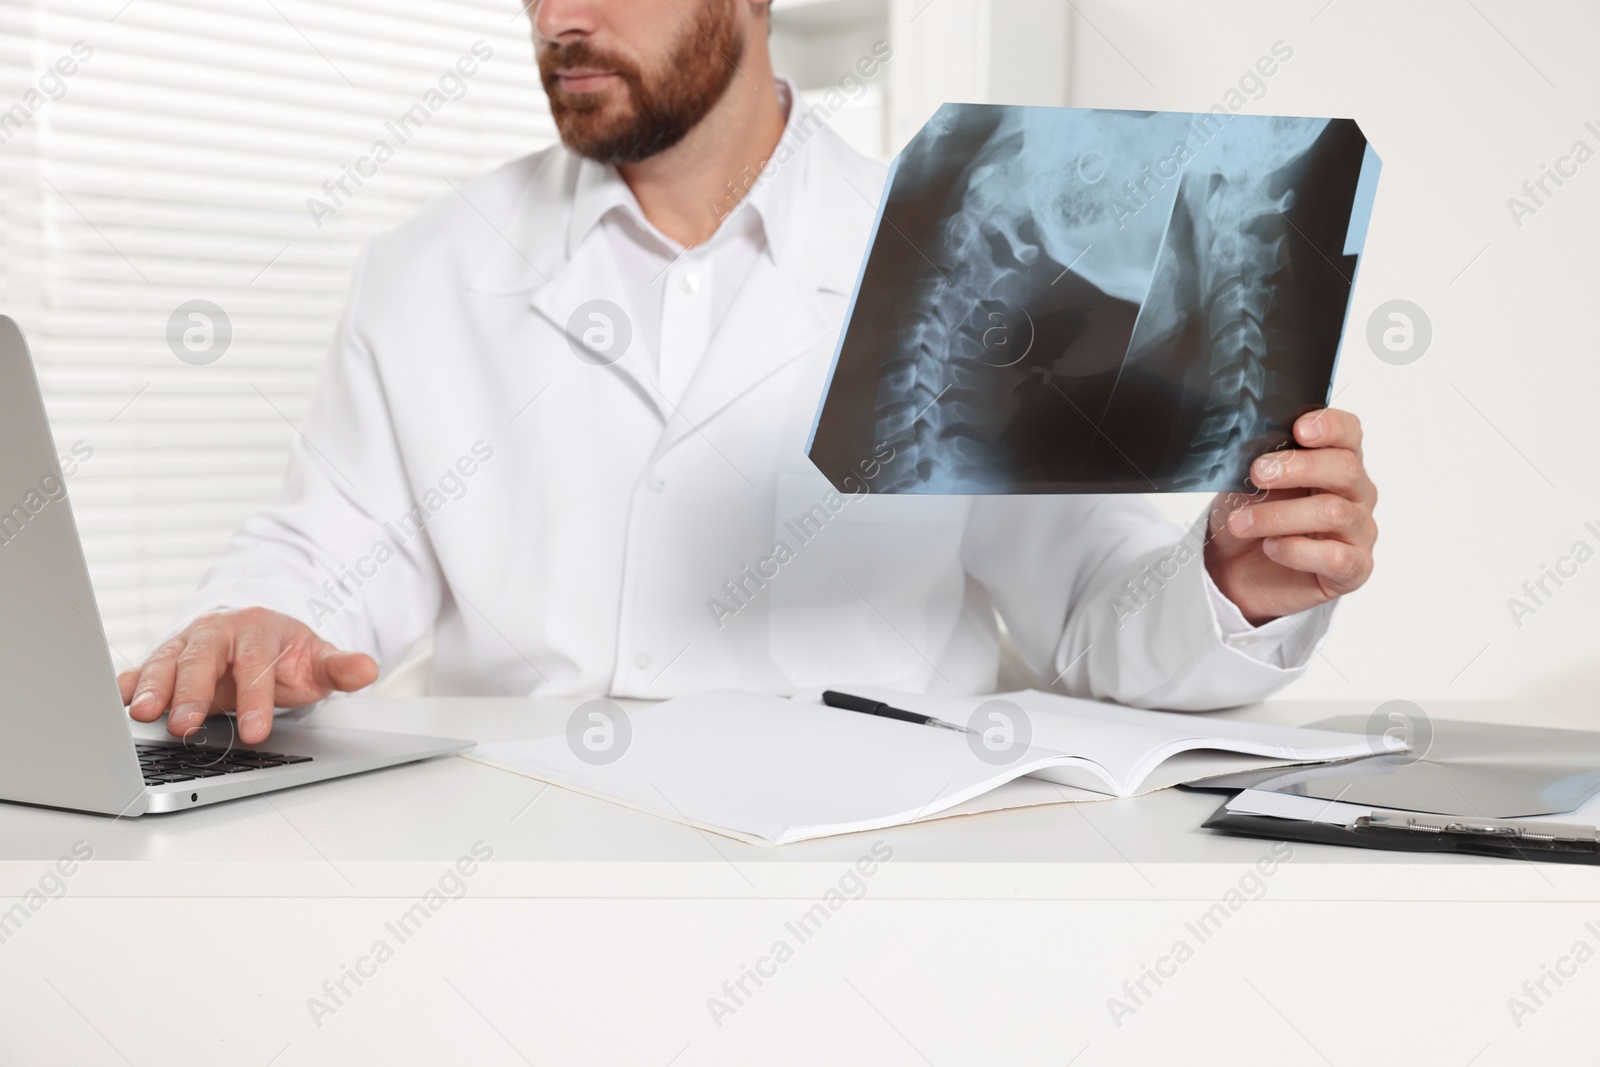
(877, 707)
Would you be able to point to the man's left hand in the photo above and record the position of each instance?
(1309, 539)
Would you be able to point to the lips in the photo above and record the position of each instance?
(584, 80)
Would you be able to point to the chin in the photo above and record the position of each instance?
(592, 112)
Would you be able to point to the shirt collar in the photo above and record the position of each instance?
(600, 190)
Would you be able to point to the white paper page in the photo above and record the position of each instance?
(1129, 743)
(1037, 789)
(1200, 764)
(1295, 806)
(1019, 793)
(772, 769)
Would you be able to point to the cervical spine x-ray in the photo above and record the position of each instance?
(1060, 300)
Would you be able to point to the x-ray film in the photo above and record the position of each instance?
(1066, 300)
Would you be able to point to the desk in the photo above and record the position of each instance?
(600, 935)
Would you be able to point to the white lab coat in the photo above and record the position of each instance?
(565, 530)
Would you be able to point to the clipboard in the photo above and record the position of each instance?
(1516, 792)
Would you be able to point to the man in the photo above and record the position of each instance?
(635, 514)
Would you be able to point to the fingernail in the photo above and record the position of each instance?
(250, 722)
(145, 701)
(1269, 545)
(1264, 470)
(188, 715)
(1241, 521)
(1311, 431)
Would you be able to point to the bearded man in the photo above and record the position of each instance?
(563, 427)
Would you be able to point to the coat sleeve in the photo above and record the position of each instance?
(335, 550)
(1104, 598)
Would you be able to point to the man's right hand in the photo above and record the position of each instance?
(252, 661)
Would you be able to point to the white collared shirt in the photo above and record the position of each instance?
(679, 295)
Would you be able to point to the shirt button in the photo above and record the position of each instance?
(641, 661)
(691, 283)
(1239, 640)
(656, 484)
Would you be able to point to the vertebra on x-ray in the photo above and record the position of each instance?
(1061, 300)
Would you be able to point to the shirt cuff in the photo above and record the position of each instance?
(1287, 642)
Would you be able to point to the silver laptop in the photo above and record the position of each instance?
(66, 740)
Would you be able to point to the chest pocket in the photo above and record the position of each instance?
(871, 586)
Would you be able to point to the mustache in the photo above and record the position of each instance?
(556, 58)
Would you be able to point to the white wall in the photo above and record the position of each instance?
(1484, 449)
(974, 51)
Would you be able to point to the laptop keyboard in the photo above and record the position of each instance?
(163, 763)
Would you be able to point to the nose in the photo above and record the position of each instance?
(556, 20)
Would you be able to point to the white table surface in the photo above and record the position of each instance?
(598, 934)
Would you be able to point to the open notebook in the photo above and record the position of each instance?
(771, 770)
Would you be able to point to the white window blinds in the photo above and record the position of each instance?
(210, 168)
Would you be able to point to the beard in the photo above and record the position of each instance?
(656, 110)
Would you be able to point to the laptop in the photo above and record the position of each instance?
(66, 740)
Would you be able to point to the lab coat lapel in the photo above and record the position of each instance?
(772, 321)
(570, 301)
(532, 262)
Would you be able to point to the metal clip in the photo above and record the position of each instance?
(1535, 835)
